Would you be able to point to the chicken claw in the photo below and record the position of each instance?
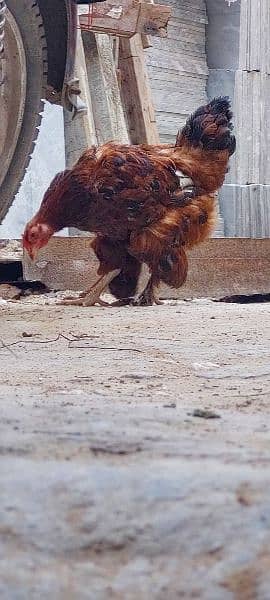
(91, 296)
(147, 298)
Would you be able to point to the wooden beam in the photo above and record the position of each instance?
(107, 107)
(127, 17)
(217, 268)
(146, 41)
(79, 131)
(153, 19)
(136, 92)
(109, 74)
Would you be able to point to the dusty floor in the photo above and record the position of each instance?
(111, 487)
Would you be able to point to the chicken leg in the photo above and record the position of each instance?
(91, 296)
(145, 291)
(146, 298)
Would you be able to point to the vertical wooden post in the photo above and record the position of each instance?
(80, 131)
(108, 113)
(136, 92)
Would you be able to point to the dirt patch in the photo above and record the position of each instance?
(97, 419)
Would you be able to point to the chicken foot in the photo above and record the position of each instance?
(91, 296)
(147, 297)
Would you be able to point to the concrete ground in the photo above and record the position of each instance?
(134, 452)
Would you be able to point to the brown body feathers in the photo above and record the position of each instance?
(140, 202)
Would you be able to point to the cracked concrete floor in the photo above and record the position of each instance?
(110, 487)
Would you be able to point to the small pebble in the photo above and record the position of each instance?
(205, 414)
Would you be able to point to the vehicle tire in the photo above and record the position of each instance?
(24, 28)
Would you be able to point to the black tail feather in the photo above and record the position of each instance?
(210, 127)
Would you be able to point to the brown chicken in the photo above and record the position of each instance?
(146, 204)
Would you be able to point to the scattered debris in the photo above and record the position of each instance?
(14, 290)
(242, 299)
(9, 292)
(116, 448)
(73, 342)
(28, 335)
(204, 413)
(245, 403)
(140, 375)
(227, 371)
(246, 494)
(33, 287)
(205, 365)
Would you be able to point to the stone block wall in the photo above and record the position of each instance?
(238, 53)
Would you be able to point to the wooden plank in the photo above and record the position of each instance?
(186, 14)
(184, 5)
(153, 19)
(100, 108)
(179, 61)
(189, 47)
(108, 69)
(176, 101)
(127, 17)
(217, 268)
(169, 124)
(104, 88)
(79, 131)
(136, 92)
(118, 17)
(177, 66)
(171, 76)
(187, 32)
(146, 39)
